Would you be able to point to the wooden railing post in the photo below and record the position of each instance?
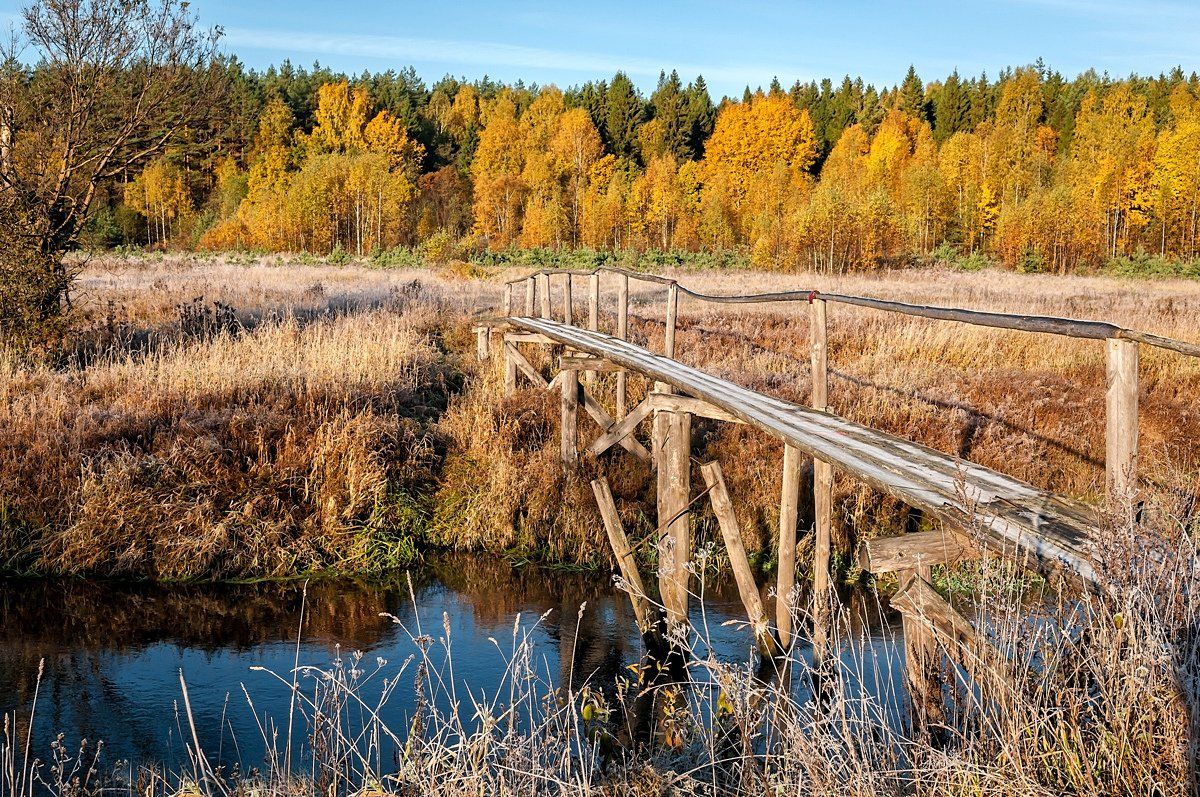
(1121, 434)
(623, 334)
(789, 513)
(530, 296)
(508, 298)
(570, 417)
(544, 280)
(822, 483)
(672, 456)
(568, 302)
(672, 317)
(593, 315)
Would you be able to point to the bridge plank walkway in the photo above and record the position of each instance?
(1048, 532)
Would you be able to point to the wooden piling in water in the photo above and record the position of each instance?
(1121, 431)
(922, 664)
(789, 514)
(672, 455)
(623, 553)
(722, 506)
(822, 482)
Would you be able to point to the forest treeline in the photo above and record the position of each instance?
(1032, 170)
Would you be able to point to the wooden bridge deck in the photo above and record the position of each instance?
(1047, 531)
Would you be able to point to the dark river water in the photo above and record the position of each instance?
(113, 652)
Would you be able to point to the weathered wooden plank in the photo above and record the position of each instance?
(722, 506)
(819, 354)
(481, 343)
(622, 428)
(635, 587)
(1013, 517)
(1121, 432)
(544, 286)
(789, 515)
(568, 301)
(669, 402)
(921, 662)
(908, 551)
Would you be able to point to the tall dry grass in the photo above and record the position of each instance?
(1098, 698)
(253, 447)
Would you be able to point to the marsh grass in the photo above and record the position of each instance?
(1098, 698)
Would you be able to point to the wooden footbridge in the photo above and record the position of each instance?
(979, 508)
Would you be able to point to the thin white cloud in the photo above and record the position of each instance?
(488, 55)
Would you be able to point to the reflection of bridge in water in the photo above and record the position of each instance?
(980, 509)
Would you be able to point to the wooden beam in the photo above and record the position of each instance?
(530, 337)
(580, 363)
(569, 437)
(789, 515)
(722, 506)
(623, 554)
(622, 334)
(1121, 433)
(908, 551)
(605, 421)
(669, 402)
(672, 454)
(917, 599)
(526, 367)
(922, 663)
(621, 429)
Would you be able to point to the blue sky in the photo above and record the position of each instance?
(731, 44)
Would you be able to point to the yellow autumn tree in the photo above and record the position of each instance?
(499, 162)
(160, 194)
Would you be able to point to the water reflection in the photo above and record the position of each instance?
(113, 652)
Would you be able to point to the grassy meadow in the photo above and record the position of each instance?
(245, 418)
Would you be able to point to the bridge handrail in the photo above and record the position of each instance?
(1069, 327)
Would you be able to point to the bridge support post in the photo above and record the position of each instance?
(1121, 433)
(822, 483)
(921, 665)
(623, 334)
(672, 455)
(789, 513)
(593, 316)
(570, 418)
(510, 368)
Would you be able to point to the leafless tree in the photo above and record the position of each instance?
(110, 84)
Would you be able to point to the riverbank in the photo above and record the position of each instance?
(251, 418)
